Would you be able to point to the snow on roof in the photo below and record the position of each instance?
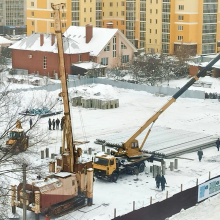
(32, 43)
(100, 38)
(43, 182)
(63, 174)
(102, 154)
(5, 41)
(17, 130)
(88, 65)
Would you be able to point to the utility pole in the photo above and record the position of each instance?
(24, 192)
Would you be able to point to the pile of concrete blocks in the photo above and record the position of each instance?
(95, 103)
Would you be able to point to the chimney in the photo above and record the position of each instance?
(88, 33)
(41, 39)
(52, 39)
(109, 25)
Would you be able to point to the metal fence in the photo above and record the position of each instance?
(167, 91)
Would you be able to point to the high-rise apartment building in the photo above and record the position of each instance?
(156, 25)
(12, 17)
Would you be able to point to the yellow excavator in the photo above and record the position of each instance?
(129, 157)
(18, 140)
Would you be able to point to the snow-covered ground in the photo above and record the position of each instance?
(135, 108)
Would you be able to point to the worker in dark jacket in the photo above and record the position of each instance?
(49, 123)
(54, 122)
(217, 144)
(163, 182)
(158, 180)
(200, 154)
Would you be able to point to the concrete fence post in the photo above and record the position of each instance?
(151, 200)
(42, 154)
(103, 148)
(197, 182)
(61, 149)
(133, 205)
(108, 151)
(167, 195)
(176, 163)
(163, 169)
(115, 213)
(171, 166)
(181, 188)
(47, 152)
(209, 175)
(90, 151)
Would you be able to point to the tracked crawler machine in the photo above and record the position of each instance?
(71, 181)
(129, 157)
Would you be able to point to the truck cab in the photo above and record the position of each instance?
(104, 166)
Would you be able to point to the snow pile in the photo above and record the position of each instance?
(95, 91)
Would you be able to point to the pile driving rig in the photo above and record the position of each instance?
(71, 181)
(129, 157)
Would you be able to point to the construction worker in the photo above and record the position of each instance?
(200, 154)
(158, 180)
(49, 123)
(217, 144)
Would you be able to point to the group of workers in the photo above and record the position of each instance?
(55, 123)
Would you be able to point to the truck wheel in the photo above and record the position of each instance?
(135, 170)
(141, 167)
(114, 177)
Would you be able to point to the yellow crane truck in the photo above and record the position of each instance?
(129, 157)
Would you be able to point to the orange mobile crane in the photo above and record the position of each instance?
(66, 187)
(129, 157)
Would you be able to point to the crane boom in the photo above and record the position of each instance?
(64, 93)
(128, 144)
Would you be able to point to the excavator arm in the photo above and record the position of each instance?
(131, 147)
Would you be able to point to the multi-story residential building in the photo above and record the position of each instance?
(156, 25)
(12, 17)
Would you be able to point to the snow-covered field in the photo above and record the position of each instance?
(134, 109)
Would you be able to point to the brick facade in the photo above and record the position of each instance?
(33, 61)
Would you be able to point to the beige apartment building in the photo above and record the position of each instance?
(155, 25)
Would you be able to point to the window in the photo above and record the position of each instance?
(103, 13)
(156, 1)
(150, 21)
(123, 47)
(122, 31)
(32, 14)
(63, 25)
(52, 25)
(150, 11)
(51, 15)
(85, 1)
(151, 1)
(32, 3)
(90, 9)
(90, 19)
(111, 4)
(116, 23)
(90, 0)
(155, 21)
(110, 13)
(155, 31)
(181, 7)
(122, 22)
(180, 17)
(32, 23)
(84, 19)
(155, 41)
(112, 162)
(84, 9)
(79, 57)
(104, 61)
(156, 11)
(125, 58)
(114, 46)
(51, 5)
(63, 15)
(180, 27)
(180, 38)
(107, 48)
(150, 31)
(150, 41)
(122, 13)
(32, 32)
(117, 14)
(122, 3)
(45, 62)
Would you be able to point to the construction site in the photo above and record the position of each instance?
(102, 165)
